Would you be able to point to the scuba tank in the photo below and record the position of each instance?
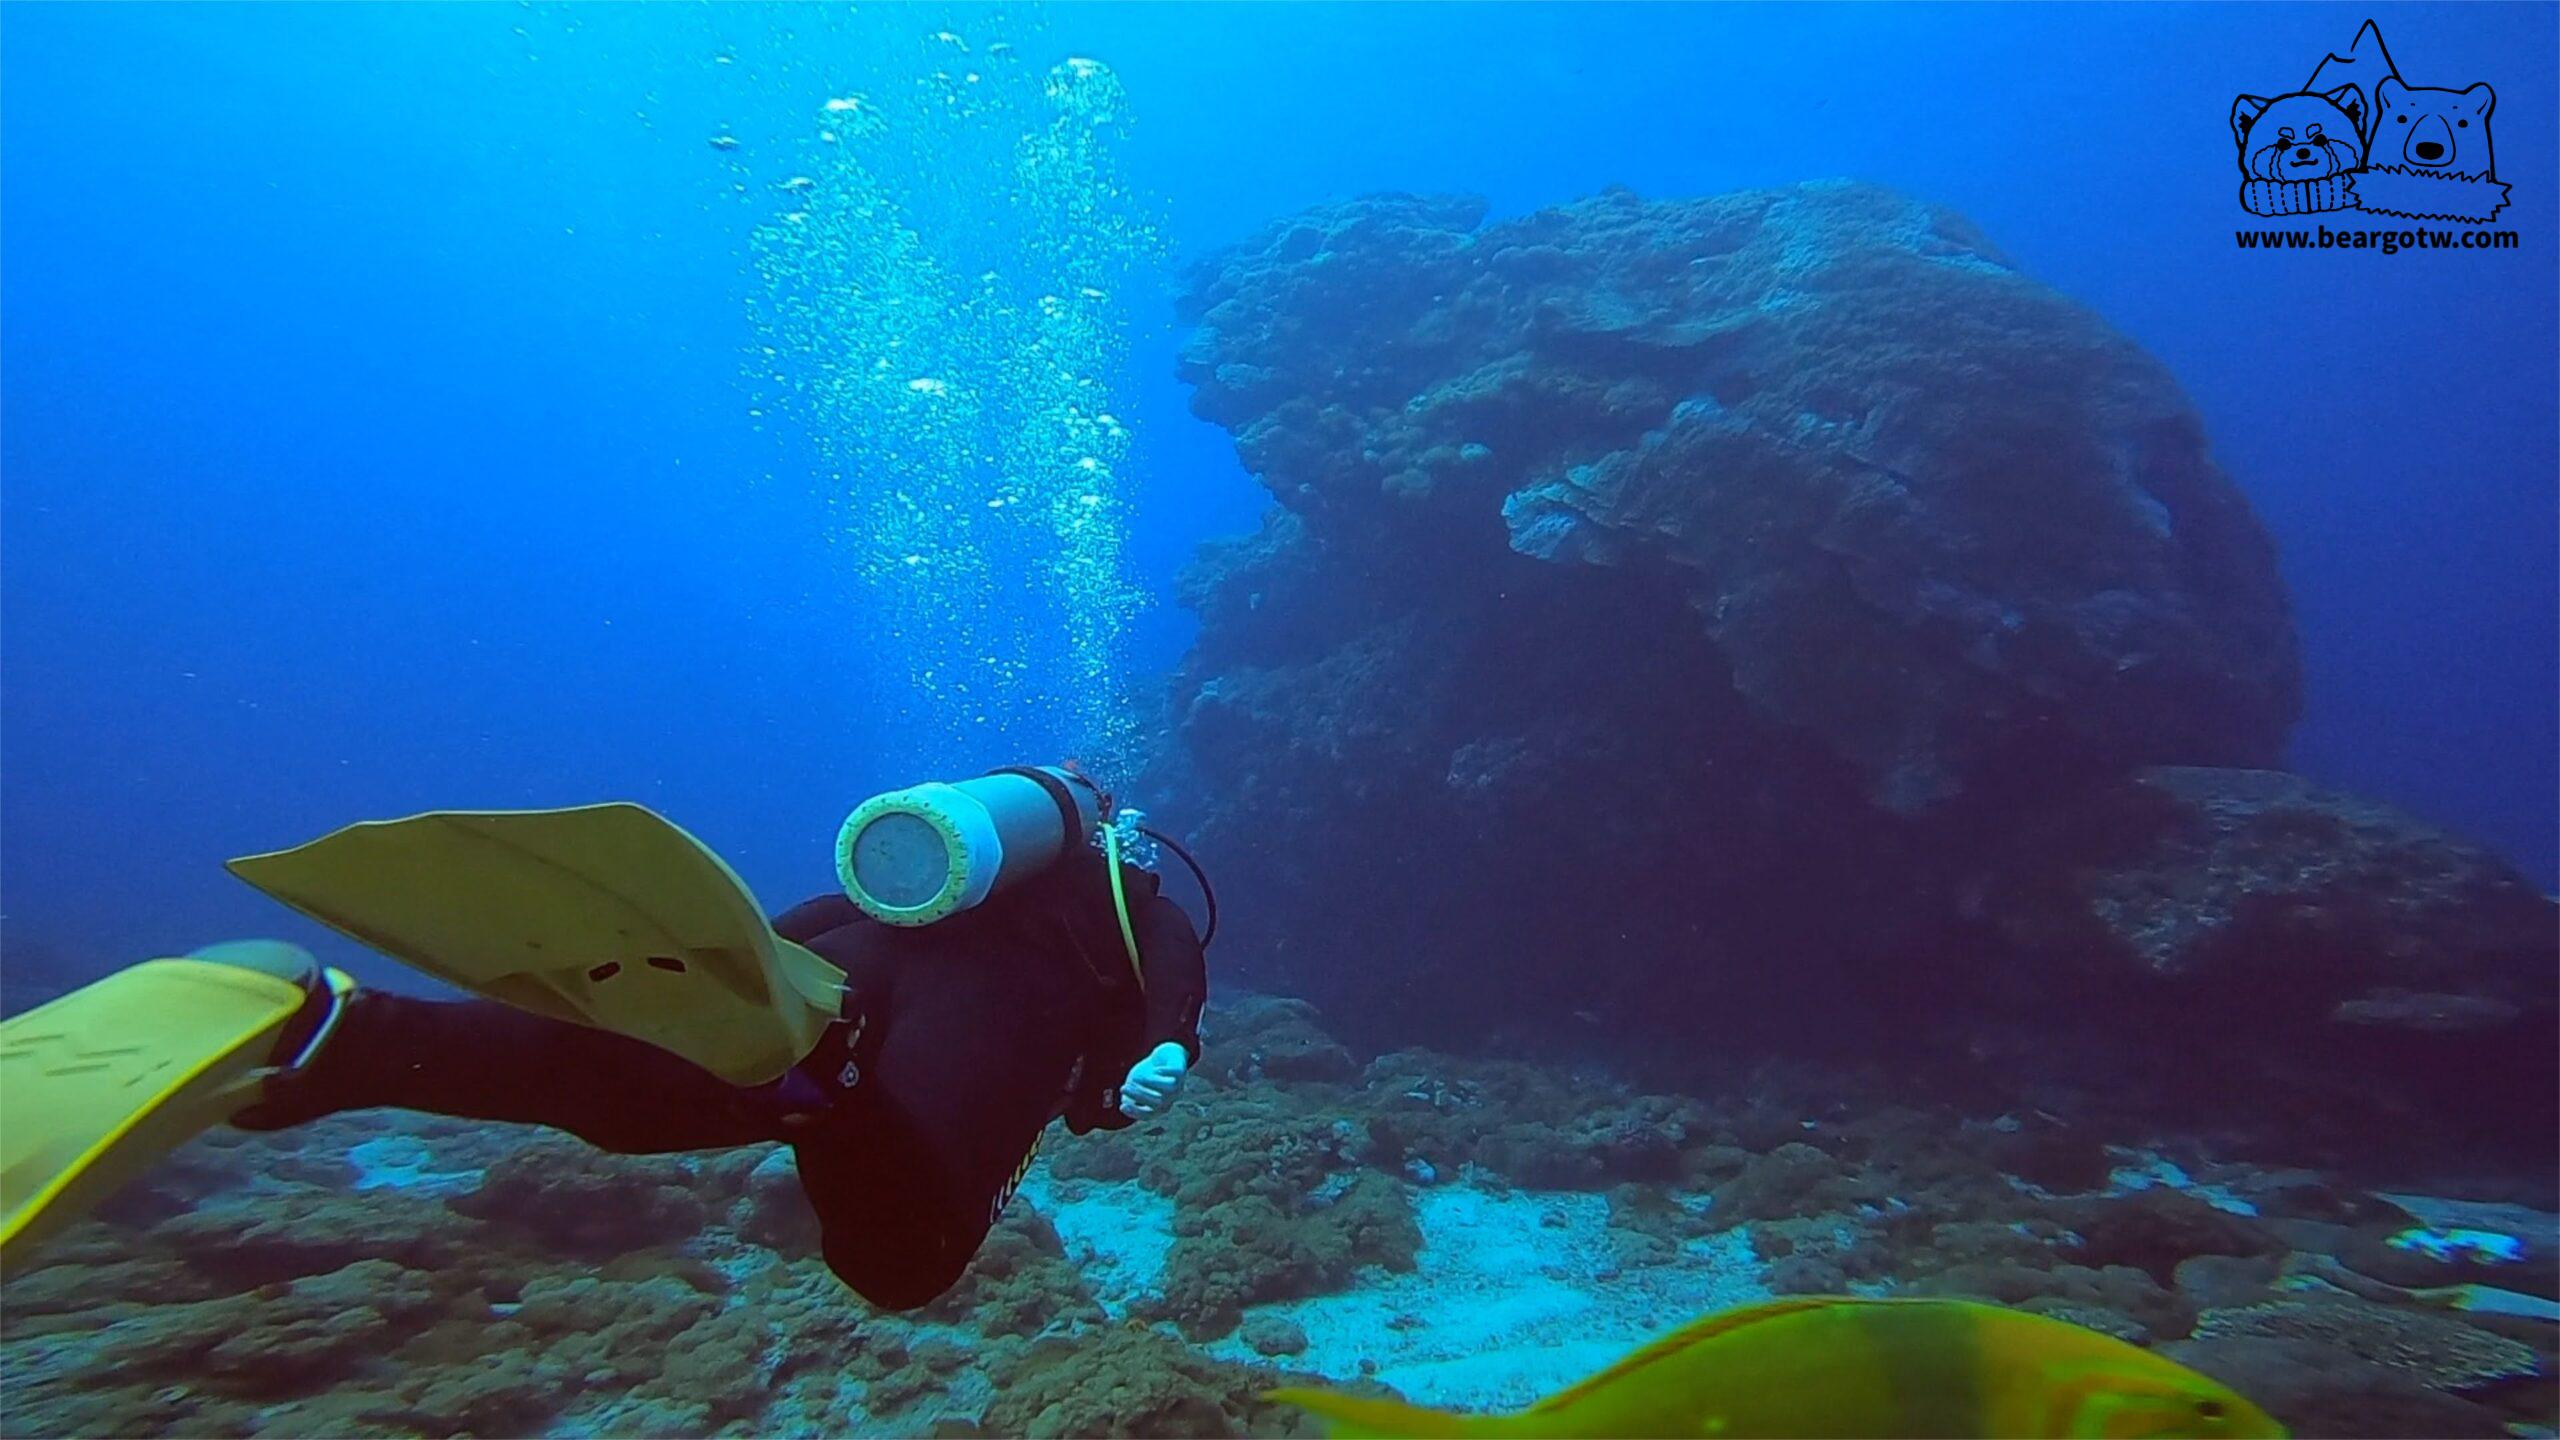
(930, 851)
(921, 854)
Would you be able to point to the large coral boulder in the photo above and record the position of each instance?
(1737, 625)
(1649, 578)
(1926, 508)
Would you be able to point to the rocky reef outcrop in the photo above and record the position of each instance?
(1764, 621)
(1927, 511)
(2295, 933)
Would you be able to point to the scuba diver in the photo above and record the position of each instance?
(987, 968)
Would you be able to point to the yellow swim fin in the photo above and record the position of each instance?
(96, 1086)
(1369, 1417)
(602, 915)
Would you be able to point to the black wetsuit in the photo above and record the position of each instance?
(914, 1117)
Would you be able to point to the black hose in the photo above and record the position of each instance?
(1206, 893)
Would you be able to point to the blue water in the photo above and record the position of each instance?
(376, 430)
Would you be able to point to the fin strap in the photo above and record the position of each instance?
(340, 986)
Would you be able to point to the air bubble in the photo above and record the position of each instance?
(963, 446)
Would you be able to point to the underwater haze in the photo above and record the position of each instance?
(1815, 650)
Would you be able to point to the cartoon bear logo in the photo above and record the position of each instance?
(2430, 157)
(2446, 130)
(2358, 137)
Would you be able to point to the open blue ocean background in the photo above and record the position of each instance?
(375, 416)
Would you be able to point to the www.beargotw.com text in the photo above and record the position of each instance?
(2389, 242)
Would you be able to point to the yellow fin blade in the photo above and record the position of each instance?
(96, 1086)
(1724, 1322)
(609, 916)
(1360, 1417)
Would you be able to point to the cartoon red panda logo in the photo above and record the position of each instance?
(2301, 136)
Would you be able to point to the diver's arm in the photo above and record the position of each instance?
(1177, 975)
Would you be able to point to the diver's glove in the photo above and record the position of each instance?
(1153, 1080)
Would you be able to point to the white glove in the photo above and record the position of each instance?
(1153, 1080)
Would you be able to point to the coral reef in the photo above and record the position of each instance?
(564, 1196)
(2308, 939)
(2320, 1390)
(1267, 1199)
(1287, 1045)
(1020, 1283)
(1476, 1231)
(2435, 1349)
(2156, 1230)
(1814, 587)
(774, 1211)
(1135, 1382)
(1921, 504)
(1246, 1249)
(1274, 1336)
(1794, 1179)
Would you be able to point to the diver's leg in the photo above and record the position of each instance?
(911, 1168)
(479, 1060)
